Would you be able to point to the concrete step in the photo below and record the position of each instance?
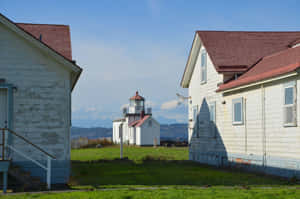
(24, 178)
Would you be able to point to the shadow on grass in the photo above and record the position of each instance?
(164, 172)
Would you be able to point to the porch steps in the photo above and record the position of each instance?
(24, 181)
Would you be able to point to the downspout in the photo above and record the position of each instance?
(263, 124)
(245, 116)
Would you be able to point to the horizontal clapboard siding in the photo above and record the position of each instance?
(245, 143)
(41, 102)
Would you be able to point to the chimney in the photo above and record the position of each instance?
(142, 114)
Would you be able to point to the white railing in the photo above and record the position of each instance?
(47, 168)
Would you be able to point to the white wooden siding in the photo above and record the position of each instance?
(42, 99)
(261, 133)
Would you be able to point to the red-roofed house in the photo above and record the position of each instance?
(244, 100)
(37, 76)
(137, 127)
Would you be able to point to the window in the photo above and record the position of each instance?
(150, 123)
(212, 112)
(237, 111)
(290, 104)
(195, 121)
(203, 66)
(195, 112)
(138, 103)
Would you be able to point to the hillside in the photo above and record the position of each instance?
(167, 132)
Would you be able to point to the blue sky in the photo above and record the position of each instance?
(142, 44)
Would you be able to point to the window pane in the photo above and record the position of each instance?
(203, 66)
(132, 102)
(203, 75)
(289, 116)
(289, 95)
(238, 112)
(194, 114)
(212, 112)
(203, 59)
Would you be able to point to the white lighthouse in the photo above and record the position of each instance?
(137, 126)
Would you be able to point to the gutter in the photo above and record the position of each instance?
(261, 82)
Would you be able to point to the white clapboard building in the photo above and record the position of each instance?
(37, 78)
(137, 127)
(244, 100)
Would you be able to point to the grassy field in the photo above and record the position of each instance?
(133, 153)
(105, 173)
(161, 173)
(211, 193)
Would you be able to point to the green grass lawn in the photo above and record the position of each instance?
(162, 173)
(133, 153)
(210, 193)
(168, 170)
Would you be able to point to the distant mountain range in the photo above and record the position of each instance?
(106, 123)
(177, 131)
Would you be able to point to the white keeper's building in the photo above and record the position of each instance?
(137, 126)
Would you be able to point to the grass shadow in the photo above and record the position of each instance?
(164, 172)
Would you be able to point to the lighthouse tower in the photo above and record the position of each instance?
(137, 104)
(137, 127)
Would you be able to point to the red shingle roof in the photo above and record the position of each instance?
(55, 36)
(239, 50)
(137, 96)
(139, 122)
(133, 123)
(142, 120)
(270, 66)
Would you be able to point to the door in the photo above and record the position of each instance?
(3, 114)
(134, 136)
(3, 108)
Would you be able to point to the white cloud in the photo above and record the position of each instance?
(149, 103)
(170, 105)
(91, 109)
(124, 106)
(112, 73)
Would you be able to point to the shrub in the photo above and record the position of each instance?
(90, 143)
(152, 158)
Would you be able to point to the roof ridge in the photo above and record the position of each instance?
(43, 24)
(251, 31)
(280, 52)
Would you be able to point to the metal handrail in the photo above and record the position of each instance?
(49, 156)
(23, 138)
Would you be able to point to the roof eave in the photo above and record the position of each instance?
(76, 79)
(185, 80)
(283, 76)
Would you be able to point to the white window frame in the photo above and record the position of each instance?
(195, 120)
(234, 101)
(292, 85)
(203, 66)
(210, 107)
(150, 123)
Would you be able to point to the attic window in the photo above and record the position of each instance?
(203, 66)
